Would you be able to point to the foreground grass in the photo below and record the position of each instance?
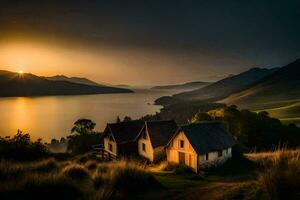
(50, 179)
(280, 178)
(258, 176)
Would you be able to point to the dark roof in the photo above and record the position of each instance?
(124, 131)
(160, 132)
(207, 136)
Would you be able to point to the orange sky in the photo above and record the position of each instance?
(116, 65)
(145, 42)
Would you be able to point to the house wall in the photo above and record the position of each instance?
(190, 155)
(114, 146)
(149, 152)
(213, 158)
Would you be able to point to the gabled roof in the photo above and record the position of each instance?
(160, 132)
(207, 136)
(124, 131)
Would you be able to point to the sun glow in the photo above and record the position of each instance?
(20, 72)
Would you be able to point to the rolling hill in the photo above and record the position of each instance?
(280, 88)
(184, 86)
(278, 93)
(227, 86)
(15, 84)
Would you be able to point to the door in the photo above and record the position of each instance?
(181, 157)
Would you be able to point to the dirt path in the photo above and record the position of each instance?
(216, 191)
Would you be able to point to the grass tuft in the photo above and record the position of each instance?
(91, 165)
(76, 172)
(281, 179)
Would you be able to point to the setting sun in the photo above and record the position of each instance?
(20, 71)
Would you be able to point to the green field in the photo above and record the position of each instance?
(287, 113)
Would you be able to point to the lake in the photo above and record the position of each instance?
(53, 116)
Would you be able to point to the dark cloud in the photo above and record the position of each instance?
(231, 33)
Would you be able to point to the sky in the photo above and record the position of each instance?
(147, 42)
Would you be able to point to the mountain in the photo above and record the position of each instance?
(227, 86)
(278, 89)
(185, 86)
(78, 80)
(15, 84)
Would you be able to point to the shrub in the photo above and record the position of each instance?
(21, 148)
(170, 167)
(76, 172)
(281, 179)
(183, 169)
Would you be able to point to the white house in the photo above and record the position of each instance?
(120, 138)
(199, 145)
(154, 137)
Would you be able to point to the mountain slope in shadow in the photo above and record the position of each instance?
(185, 86)
(282, 87)
(15, 84)
(227, 86)
(79, 80)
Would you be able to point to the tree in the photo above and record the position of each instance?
(63, 140)
(21, 138)
(54, 141)
(118, 119)
(127, 119)
(83, 127)
(85, 137)
(201, 116)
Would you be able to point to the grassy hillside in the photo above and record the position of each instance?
(278, 93)
(287, 113)
(227, 86)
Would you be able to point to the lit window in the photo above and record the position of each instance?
(144, 147)
(181, 143)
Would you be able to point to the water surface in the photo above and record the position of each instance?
(52, 116)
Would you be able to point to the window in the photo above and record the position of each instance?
(110, 147)
(144, 146)
(181, 143)
(220, 153)
(206, 156)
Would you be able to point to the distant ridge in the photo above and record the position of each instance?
(78, 80)
(185, 86)
(226, 86)
(15, 84)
